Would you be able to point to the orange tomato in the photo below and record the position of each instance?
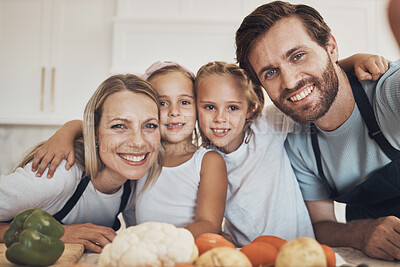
(184, 265)
(273, 240)
(208, 241)
(260, 253)
(330, 256)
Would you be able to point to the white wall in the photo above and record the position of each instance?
(194, 32)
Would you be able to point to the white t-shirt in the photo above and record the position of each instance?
(263, 194)
(21, 190)
(172, 198)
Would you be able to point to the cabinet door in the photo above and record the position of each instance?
(24, 44)
(82, 37)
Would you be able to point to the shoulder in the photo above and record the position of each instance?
(212, 158)
(22, 189)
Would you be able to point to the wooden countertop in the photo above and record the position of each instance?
(345, 257)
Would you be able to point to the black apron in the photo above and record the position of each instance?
(78, 193)
(379, 195)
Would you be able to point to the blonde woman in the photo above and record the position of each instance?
(121, 141)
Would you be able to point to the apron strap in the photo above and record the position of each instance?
(368, 116)
(332, 192)
(73, 200)
(374, 132)
(124, 200)
(59, 216)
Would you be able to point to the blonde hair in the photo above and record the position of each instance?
(93, 113)
(253, 92)
(86, 152)
(169, 69)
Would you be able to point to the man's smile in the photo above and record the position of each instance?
(303, 94)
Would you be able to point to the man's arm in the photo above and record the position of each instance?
(377, 238)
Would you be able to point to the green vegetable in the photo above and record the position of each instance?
(33, 238)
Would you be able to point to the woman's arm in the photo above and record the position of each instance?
(365, 66)
(59, 146)
(93, 237)
(211, 195)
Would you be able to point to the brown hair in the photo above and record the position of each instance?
(264, 17)
(254, 93)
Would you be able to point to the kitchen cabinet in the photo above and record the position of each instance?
(53, 55)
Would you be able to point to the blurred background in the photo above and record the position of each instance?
(55, 53)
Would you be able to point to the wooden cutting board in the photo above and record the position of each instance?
(71, 255)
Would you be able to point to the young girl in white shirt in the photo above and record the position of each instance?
(191, 189)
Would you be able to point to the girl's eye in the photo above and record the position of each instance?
(233, 108)
(163, 103)
(151, 126)
(185, 102)
(210, 107)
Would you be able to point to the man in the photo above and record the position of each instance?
(290, 51)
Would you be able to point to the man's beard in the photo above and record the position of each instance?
(327, 85)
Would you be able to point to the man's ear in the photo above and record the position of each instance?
(332, 49)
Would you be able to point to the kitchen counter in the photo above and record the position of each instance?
(345, 257)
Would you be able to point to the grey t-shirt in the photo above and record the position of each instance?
(348, 154)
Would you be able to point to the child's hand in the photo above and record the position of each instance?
(369, 67)
(53, 151)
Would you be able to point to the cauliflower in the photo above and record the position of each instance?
(149, 244)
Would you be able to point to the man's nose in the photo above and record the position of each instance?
(289, 78)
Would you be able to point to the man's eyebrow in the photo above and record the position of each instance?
(264, 69)
(288, 54)
(291, 51)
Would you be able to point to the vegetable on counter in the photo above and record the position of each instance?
(33, 238)
(153, 244)
(304, 250)
(223, 256)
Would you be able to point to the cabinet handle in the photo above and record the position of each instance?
(42, 89)
(53, 76)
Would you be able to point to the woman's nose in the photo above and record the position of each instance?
(135, 139)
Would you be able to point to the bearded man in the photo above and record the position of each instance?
(346, 146)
